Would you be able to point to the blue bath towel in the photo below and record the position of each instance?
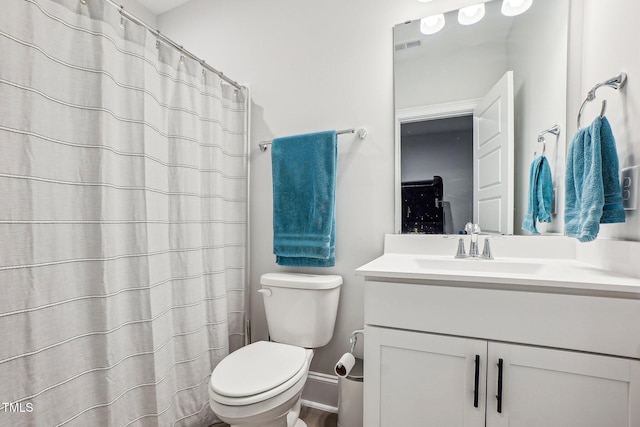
(304, 189)
(593, 193)
(540, 195)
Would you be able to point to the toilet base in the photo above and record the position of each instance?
(279, 423)
(293, 417)
(287, 419)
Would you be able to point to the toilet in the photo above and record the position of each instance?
(261, 384)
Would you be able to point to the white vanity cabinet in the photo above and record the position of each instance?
(432, 353)
(549, 387)
(418, 379)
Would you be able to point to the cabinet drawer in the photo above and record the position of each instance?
(585, 323)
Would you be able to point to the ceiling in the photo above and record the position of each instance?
(158, 7)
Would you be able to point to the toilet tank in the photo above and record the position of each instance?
(301, 308)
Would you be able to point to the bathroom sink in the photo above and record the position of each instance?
(478, 265)
(429, 260)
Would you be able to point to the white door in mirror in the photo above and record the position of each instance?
(493, 137)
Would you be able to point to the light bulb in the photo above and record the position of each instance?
(431, 24)
(471, 14)
(515, 7)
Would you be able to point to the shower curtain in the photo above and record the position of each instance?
(123, 201)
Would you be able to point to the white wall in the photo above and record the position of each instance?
(312, 66)
(140, 12)
(329, 65)
(610, 45)
(539, 64)
(461, 75)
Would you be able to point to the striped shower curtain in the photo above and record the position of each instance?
(123, 200)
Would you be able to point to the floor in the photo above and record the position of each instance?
(313, 418)
(318, 418)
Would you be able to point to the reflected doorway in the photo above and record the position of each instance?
(437, 175)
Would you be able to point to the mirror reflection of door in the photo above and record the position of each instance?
(437, 169)
(493, 158)
(472, 153)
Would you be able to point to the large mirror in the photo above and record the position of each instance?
(459, 91)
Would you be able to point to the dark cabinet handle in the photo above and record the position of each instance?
(476, 382)
(499, 395)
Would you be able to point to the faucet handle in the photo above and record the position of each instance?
(486, 251)
(461, 253)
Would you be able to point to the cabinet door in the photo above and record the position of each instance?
(554, 388)
(418, 379)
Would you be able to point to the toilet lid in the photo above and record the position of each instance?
(257, 368)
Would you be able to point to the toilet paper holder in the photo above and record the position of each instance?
(353, 339)
(348, 360)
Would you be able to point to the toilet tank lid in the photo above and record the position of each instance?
(301, 281)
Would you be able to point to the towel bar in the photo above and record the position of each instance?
(362, 134)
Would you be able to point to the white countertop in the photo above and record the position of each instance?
(514, 273)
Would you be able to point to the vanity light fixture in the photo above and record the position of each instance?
(471, 14)
(432, 24)
(515, 7)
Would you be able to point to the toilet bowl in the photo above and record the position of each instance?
(261, 384)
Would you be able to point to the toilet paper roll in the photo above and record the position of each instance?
(345, 364)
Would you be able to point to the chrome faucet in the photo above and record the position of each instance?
(473, 230)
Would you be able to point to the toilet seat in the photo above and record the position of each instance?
(258, 372)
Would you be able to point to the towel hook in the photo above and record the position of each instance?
(544, 144)
(616, 82)
(554, 130)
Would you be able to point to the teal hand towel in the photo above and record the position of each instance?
(304, 189)
(540, 195)
(593, 193)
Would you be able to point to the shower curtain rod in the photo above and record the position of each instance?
(362, 134)
(170, 42)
